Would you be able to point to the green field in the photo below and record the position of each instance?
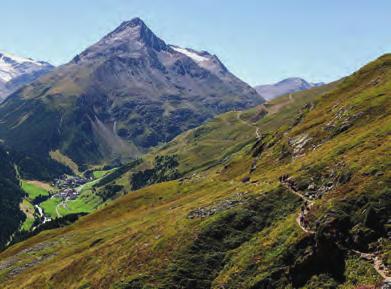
(28, 209)
(32, 190)
(99, 174)
(85, 203)
(27, 224)
(49, 207)
(79, 205)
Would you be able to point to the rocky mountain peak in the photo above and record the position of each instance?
(136, 21)
(137, 30)
(130, 91)
(129, 30)
(16, 71)
(130, 36)
(288, 85)
(296, 82)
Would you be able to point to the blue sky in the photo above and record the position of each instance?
(259, 41)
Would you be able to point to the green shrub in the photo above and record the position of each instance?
(165, 169)
(199, 262)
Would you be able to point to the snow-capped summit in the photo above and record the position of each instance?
(128, 92)
(15, 71)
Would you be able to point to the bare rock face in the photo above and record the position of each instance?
(126, 93)
(299, 143)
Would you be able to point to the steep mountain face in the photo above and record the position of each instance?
(289, 85)
(16, 71)
(126, 93)
(10, 197)
(291, 194)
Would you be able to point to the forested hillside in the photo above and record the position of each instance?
(10, 197)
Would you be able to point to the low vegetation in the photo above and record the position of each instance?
(33, 190)
(164, 169)
(214, 212)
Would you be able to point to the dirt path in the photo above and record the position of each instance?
(301, 225)
(381, 269)
(274, 108)
(378, 265)
(57, 212)
(300, 195)
(306, 211)
(257, 133)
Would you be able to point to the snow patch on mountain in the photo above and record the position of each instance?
(16, 71)
(190, 53)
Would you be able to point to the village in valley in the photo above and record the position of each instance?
(68, 186)
(64, 195)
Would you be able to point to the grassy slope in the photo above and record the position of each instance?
(216, 141)
(99, 174)
(28, 209)
(66, 161)
(145, 238)
(32, 190)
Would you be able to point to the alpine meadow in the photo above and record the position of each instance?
(141, 164)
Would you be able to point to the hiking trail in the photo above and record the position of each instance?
(305, 212)
(376, 261)
(257, 132)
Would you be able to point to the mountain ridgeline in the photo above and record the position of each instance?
(288, 85)
(16, 71)
(123, 95)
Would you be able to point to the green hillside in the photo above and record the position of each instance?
(231, 219)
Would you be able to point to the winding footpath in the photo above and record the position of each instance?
(376, 261)
(57, 212)
(377, 264)
(257, 133)
(309, 202)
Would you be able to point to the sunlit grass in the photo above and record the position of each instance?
(33, 190)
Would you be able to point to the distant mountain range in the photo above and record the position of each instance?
(126, 93)
(288, 85)
(16, 71)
